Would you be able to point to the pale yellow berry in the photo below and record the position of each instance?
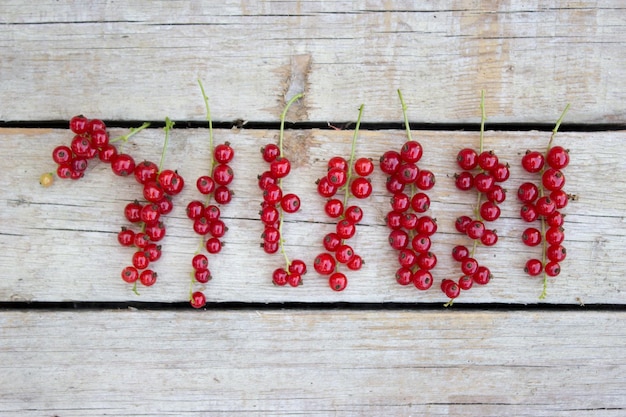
(46, 179)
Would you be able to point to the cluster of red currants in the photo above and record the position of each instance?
(207, 221)
(411, 230)
(544, 203)
(339, 176)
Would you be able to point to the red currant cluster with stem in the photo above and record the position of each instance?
(276, 203)
(411, 229)
(159, 186)
(482, 171)
(340, 178)
(91, 139)
(207, 221)
(544, 202)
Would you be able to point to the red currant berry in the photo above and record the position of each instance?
(553, 179)
(355, 263)
(533, 267)
(146, 171)
(171, 181)
(489, 237)
(363, 167)
(411, 151)
(545, 206)
(195, 209)
(201, 225)
(345, 229)
(427, 261)
(150, 214)
(202, 276)
(223, 153)
(404, 276)
(475, 229)
(132, 212)
(324, 264)
(344, 254)
(205, 184)
(126, 237)
(361, 187)
(140, 260)
(393, 220)
(212, 212)
(426, 226)
(142, 240)
(464, 181)
(461, 223)
(64, 171)
(218, 228)
(483, 182)
(156, 231)
(78, 124)
(531, 237)
(407, 258)
(466, 282)
(61, 154)
(556, 253)
(529, 213)
(269, 215)
(555, 235)
(496, 194)
(394, 185)
(130, 274)
(152, 191)
(532, 161)
(154, 252)
(265, 179)
(213, 245)
(280, 167)
(409, 221)
(280, 277)
(467, 159)
(290, 203)
(270, 235)
(270, 247)
(489, 211)
(482, 276)
(558, 157)
(469, 266)
(487, 160)
(420, 203)
(552, 269)
(555, 219)
(294, 279)
(107, 153)
(527, 192)
(390, 162)
(198, 299)
(407, 173)
(422, 279)
(148, 277)
(334, 208)
(501, 172)
(460, 252)
(222, 195)
(122, 164)
(78, 164)
(297, 266)
(560, 198)
(337, 177)
(94, 125)
(354, 214)
(400, 202)
(331, 242)
(270, 152)
(223, 174)
(338, 162)
(425, 180)
(325, 188)
(272, 194)
(200, 262)
(450, 288)
(338, 281)
(165, 205)
(398, 239)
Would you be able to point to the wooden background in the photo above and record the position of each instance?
(76, 341)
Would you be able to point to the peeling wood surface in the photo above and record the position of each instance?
(60, 243)
(317, 363)
(530, 57)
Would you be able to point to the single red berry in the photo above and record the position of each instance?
(450, 288)
(404, 276)
(489, 211)
(338, 162)
(324, 264)
(280, 167)
(529, 213)
(61, 154)
(469, 266)
(407, 173)
(400, 202)
(533, 267)
(148, 277)
(132, 211)
(496, 194)
(409, 221)
(556, 253)
(141, 240)
(265, 179)
(152, 191)
(555, 219)
(422, 279)
(545, 206)
(363, 167)
(390, 162)
(411, 151)
(202, 276)
(334, 208)
(223, 153)
(553, 179)
(156, 231)
(487, 160)
(153, 251)
(467, 159)
(325, 188)
(461, 223)
(465, 282)
(426, 226)
(475, 229)
(344, 254)
(345, 229)
(78, 164)
(269, 215)
(420, 203)
(531, 237)
(222, 195)
(361, 187)
(205, 184)
(94, 125)
(198, 299)
(213, 245)
(555, 235)
(460, 252)
(201, 225)
(398, 239)
(558, 157)
(107, 153)
(532, 161)
(270, 235)
(122, 164)
(501, 172)
(338, 281)
(560, 198)
(294, 279)
(393, 220)
(223, 174)
(331, 242)
(272, 194)
(140, 260)
(279, 277)
(464, 181)
(337, 177)
(527, 192)
(217, 228)
(427, 261)
(290, 203)
(212, 212)
(489, 237)
(483, 182)
(165, 205)
(146, 171)
(394, 185)
(172, 182)
(195, 209)
(126, 237)
(425, 180)
(552, 269)
(355, 263)
(270, 247)
(150, 214)
(200, 262)
(407, 258)
(130, 274)
(482, 276)
(78, 124)
(353, 214)
(297, 266)
(64, 171)
(270, 152)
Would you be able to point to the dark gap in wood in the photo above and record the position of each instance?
(257, 125)
(305, 306)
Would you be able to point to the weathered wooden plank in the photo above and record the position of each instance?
(59, 243)
(133, 62)
(312, 362)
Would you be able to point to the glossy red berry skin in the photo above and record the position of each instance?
(427, 261)
(467, 159)
(552, 269)
(78, 124)
(487, 160)
(140, 260)
(469, 266)
(272, 194)
(390, 162)
(202, 276)
(337, 177)
(130, 274)
(531, 237)
(223, 153)
(460, 252)
(331, 242)
(411, 151)
(126, 237)
(338, 162)
(198, 299)
(527, 192)
(555, 235)
(132, 212)
(558, 157)
(461, 223)
(475, 229)
(425, 180)
(280, 277)
(400, 202)
(361, 188)
(200, 262)
(270, 152)
(407, 173)
(355, 263)
(213, 245)
(345, 229)
(464, 181)
(354, 214)
(420, 202)
(422, 279)
(61, 154)
(483, 182)
(482, 276)
(148, 277)
(529, 213)
(496, 194)
(465, 282)
(533, 267)
(489, 211)
(146, 171)
(553, 179)
(325, 188)
(290, 203)
(344, 254)
(297, 266)
(556, 253)
(338, 281)
(404, 276)
(280, 167)
(123, 165)
(152, 191)
(501, 172)
(545, 206)
(324, 264)
(450, 288)
(533, 161)
(363, 167)
(560, 198)
(223, 174)
(489, 238)
(398, 239)
(222, 195)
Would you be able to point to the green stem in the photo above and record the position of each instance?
(168, 126)
(406, 118)
(346, 194)
(208, 118)
(557, 125)
(133, 131)
(483, 117)
(283, 115)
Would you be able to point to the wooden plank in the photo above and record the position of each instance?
(319, 363)
(141, 60)
(59, 243)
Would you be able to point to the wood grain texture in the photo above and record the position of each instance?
(140, 61)
(59, 243)
(287, 363)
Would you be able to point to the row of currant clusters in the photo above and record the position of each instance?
(411, 228)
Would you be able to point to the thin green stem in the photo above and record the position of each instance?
(283, 116)
(557, 125)
(209, 119)
(133, 131)
(355, 136)
(168, 126)
(483, 117)
(406, 118)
